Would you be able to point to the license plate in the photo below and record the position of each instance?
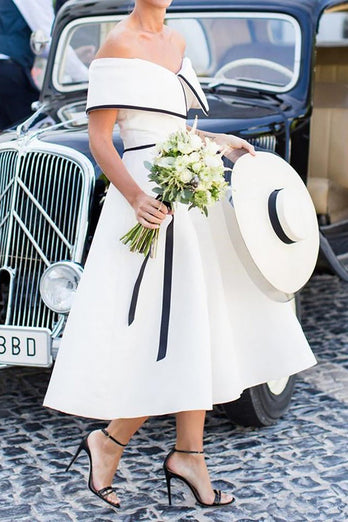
(25, 346)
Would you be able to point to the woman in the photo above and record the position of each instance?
(107, 369)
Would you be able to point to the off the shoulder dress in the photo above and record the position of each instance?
(224, 334)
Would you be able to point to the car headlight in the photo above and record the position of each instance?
(58, 285)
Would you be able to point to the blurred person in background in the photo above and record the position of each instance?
(18, 19)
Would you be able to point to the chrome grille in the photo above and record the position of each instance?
(268, 142)
(8, 163)
(44, 200)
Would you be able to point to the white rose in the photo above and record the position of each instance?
(213, 161)
(194, 157)
(185, 176)
(197, 167)
(181, 162)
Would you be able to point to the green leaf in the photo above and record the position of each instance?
(148, 165)
(157, 190)
(188, 194)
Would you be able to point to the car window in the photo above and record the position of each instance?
(333, 28)
(245, 49)
(254, 49)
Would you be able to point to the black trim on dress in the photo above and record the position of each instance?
(136, 107)
(139, 147)
(195, 93)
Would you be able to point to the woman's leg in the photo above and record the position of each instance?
(189, 437)
(106, 454)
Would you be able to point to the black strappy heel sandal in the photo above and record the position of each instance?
(102, 493)
(170, 475)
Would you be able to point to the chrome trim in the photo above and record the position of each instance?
(30, 134)
(8, 163)
(11, 273)
(44, 213)
(25, 125)
(268, 142)
(31, 238)
(58, 59)
(59, 326)
(45, 194)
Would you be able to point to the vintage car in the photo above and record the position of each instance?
(275, 73)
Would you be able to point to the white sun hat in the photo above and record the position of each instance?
(276, 230)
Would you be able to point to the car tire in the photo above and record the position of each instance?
(264, 404)
(259, 406)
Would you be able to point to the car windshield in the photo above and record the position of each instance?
(253, 50)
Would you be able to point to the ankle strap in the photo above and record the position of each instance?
(107, 434)
(190, 452)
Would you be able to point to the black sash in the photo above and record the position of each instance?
(167, 290)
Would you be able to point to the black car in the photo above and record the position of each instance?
(275, 73)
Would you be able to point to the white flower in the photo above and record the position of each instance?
(181, 162)
(196, 142)
(213, 161)
(210, 147)
(198, 166)
(184, 147)
(185, 176)
(194, 157)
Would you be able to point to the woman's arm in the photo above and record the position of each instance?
(232, 146)
(100, 128)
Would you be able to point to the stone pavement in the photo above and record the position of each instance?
(294, 471)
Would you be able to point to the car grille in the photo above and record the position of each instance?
(268, 142)
(44, 200)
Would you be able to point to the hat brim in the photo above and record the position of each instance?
(287, 267)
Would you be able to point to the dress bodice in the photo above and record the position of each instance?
(152, 100)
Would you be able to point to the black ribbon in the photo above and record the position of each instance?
(272, 211)
(167, 291)
(133, 305)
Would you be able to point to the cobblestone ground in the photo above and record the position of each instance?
(294, 471)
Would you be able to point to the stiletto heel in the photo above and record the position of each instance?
(103, 492)
(168, 478)
(170, 474)
(79, 449)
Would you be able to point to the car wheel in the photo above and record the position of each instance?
(262, 405)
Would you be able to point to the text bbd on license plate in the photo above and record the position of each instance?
(25, 346)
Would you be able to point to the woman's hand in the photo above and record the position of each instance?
(149, 211)
(233, 147)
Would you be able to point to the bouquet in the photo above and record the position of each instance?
(186, 170)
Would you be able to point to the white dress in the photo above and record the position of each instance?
(224, 334)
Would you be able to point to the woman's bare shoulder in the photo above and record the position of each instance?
(118, 43)
(178, 39)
